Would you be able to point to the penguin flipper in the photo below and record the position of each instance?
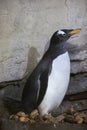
(43, 85)
(13, 106)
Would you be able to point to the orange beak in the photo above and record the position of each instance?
(74, 31)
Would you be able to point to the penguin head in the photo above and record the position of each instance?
(61, 36)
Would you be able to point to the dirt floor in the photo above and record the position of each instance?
(71, 120)
(15, 125)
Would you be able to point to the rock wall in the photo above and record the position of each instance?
(25, 29)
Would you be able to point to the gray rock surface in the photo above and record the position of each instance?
(26, 26)
(78, 83)
(78, 56)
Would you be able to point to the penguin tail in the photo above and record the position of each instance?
(13, 106)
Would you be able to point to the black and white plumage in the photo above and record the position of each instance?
(46, 86)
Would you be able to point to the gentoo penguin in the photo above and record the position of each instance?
(46, 86)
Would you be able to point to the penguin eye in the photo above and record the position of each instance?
(64, 34)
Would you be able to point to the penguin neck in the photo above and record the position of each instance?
(56, 50)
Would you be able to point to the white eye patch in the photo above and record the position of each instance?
(61, 32)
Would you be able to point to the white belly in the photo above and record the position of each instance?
(57, 84)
